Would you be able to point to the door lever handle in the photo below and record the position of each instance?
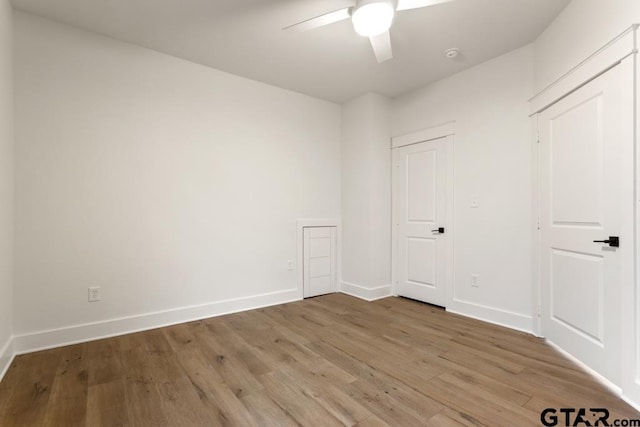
(438, 230)
(613, 241)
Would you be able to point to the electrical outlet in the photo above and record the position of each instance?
(290, 265)
(94, 294)
(474, 281)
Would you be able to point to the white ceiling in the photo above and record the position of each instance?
(244, 37)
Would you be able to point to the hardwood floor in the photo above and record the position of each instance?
(331, 360)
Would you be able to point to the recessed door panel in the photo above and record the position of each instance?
(320, 285)
(576, 143)
(421, 186)
(421, 261)
(576, 274)
(320, 266)
(320, 247)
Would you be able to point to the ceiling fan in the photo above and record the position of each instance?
(370, 18)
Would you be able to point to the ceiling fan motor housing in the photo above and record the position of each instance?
(360, 3)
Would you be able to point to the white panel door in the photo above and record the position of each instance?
(421, 212)
(320, 260)
(586, 194)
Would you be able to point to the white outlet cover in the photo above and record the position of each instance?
(474, 280)
(94, 294)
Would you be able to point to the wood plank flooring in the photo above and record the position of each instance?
(327, 361)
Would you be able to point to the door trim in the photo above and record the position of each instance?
(424, 135)
(436, 132)
(603, 59)
(536, 302)
(301, 224)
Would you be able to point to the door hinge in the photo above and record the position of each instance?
(539, 311)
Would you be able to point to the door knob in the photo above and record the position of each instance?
(613, 241)
(438, 230)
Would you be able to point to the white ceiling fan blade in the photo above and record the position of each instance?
(382, 46)
(322, 20)
(416, 4)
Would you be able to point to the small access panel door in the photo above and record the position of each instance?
(320, 261)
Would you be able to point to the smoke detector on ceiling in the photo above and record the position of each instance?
(452, 53)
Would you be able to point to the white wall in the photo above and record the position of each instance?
(366, 197)
(493, 161)
(166, 183)
(6, 183)
(583, 27)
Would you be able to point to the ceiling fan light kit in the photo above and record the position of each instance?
(370, 18)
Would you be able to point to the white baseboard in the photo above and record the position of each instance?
(608, 384)
(6, 357)
(367, 294)
(631, 391)
(635, 405)
(43, 340)
(493, 315)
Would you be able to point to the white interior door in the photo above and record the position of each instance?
(586, 194)
(421, 213)
(320, 260)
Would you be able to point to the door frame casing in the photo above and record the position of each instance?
(444, 131)
(536, 303)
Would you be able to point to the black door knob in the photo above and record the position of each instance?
(613, 241)
(438, 230)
